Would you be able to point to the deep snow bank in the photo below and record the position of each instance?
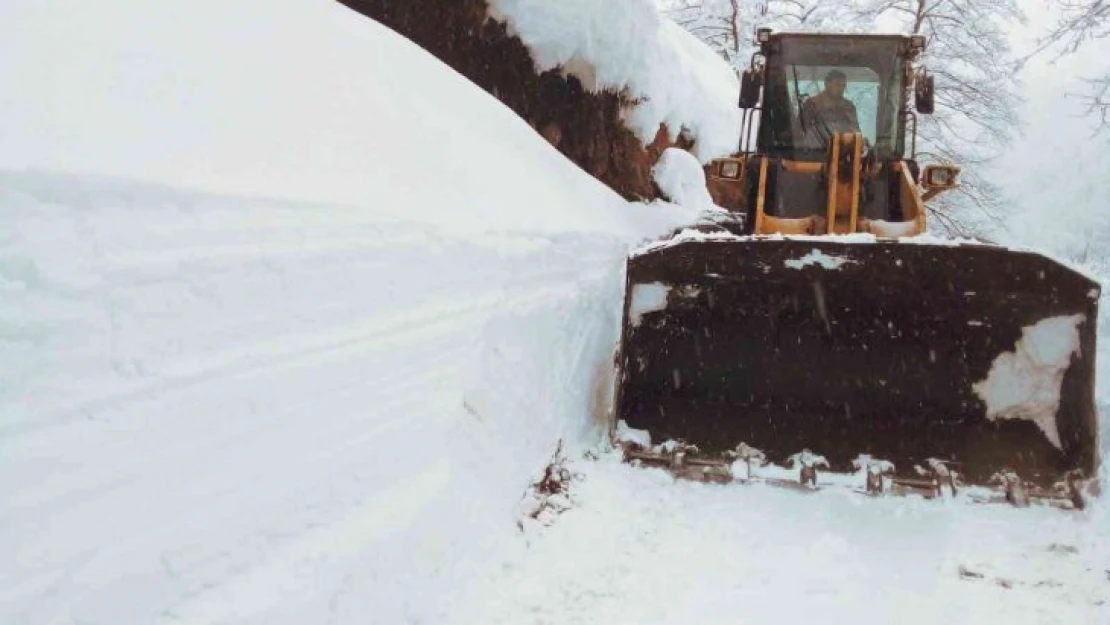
(218, 409)
(291, 98)
(610, 84)
(228, 408)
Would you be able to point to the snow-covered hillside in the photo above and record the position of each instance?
(218, 406)
(219, 409)
(291, 98)
(629, 45)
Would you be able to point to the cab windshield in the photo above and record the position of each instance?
(815, 87)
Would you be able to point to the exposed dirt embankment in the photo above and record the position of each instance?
(586, 127)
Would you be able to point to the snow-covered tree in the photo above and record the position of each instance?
(1081, 22)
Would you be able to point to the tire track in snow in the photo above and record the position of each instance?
(444, 330)
(245, 415)
(379, 333)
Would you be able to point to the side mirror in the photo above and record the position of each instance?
(749, 89)
(924, 100)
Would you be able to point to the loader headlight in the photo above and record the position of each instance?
(730, 169)
(940, 176)
(763, 35)
(917, 42)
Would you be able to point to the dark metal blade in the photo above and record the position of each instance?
(848, 348)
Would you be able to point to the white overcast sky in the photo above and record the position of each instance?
(1058, 168)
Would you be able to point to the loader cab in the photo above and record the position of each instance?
(827, 141)
(874, 71)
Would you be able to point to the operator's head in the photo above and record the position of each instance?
(835, 83)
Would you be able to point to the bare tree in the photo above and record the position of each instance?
(728, 26)
(977, 97)
(1081, 22)
(722, 24)
(1097, 98)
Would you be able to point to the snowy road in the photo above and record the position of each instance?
(228, 410)
(642, 548)
(221, 410)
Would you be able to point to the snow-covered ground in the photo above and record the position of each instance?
(639, 547)
(219, 406)
(218, 409)
(290, 317)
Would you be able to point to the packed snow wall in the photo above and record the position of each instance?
(290, 315)
(585, 126)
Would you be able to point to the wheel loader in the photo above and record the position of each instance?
(823, 326)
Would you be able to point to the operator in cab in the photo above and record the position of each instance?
(829, 111)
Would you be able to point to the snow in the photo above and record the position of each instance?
(1025, 383)
(807, 458)
(647, 298)
(745, 451)
(285, 338)
(928, 238)
(682, 180)
(233, 409)
(868, 463)
(686, 235)
(285, 99)
(629, 46)
(818, 258)
(626, 434)
(855, 238)
(690, 234)
(641, 547)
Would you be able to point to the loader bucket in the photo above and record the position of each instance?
(974, 354)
